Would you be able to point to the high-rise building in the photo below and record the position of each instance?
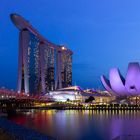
(43, 66)
(64, 68)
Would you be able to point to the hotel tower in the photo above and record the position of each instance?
(42, 65)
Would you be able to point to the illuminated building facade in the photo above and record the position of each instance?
(64, 68)
(43, 66)
(75, 93)
(120, 86)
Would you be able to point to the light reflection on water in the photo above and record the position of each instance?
(82, 125)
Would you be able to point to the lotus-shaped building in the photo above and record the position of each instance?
(130, 86)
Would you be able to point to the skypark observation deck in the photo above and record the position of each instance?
(43, 66)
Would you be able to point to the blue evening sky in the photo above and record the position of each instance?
(102, 34)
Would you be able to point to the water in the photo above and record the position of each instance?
(81, 125)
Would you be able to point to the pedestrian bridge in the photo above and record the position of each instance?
(11, 100)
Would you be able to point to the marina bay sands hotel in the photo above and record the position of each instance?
(42, 65)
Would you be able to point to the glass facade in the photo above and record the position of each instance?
(69, 70)
(49, 68)
(66, 69)
(33, 65)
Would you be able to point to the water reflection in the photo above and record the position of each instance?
(81, 125)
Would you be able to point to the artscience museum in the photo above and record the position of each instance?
(120, 86)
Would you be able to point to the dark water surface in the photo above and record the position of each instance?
(81, 125)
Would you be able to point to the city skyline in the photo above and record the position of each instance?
(100, 38)
(70, 69)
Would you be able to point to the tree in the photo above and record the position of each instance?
(90, 99)
(68, 100)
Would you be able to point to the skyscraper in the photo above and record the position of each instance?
(64, 68)
(43, 66)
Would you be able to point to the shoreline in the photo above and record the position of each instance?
(87, 107)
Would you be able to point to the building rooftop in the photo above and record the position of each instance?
(23, 24)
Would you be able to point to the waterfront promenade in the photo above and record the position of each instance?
(12, 131)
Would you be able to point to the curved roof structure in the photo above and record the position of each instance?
(120, 86)
(72, 88)
(23, 24)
